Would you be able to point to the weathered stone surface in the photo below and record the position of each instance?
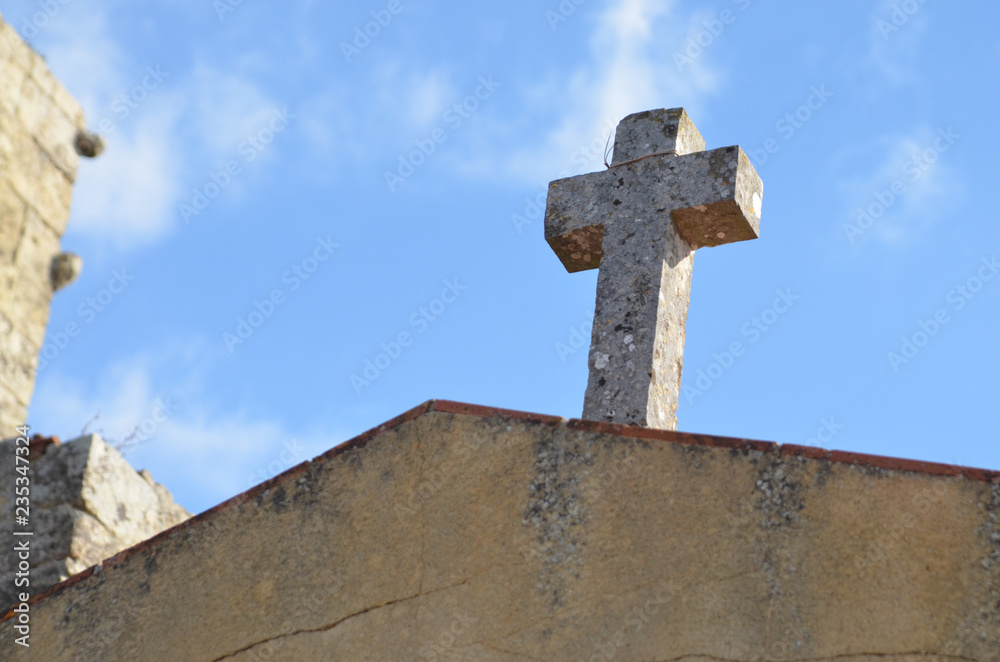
(640, 222)
(11, 81)
(12, 213)
(24, 303)
(39, 244)
(87, 503)
(655, 131)
(456, 532)
(43, 118)
(37, 177)
(17, 362)
(39, 122)
(11, 407)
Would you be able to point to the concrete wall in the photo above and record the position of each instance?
(39, 122)
(87, 503)
(463, 533)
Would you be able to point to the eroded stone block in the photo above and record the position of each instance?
(88, 505)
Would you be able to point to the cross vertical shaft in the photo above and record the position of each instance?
(640, 222)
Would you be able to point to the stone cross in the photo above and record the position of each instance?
(640, 222)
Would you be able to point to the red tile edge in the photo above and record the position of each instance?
(810, 452)
(363, 438)
(915, 466)
(459, 408)
(651, 434)
(452, 407)
(252, 493)
(791, 450)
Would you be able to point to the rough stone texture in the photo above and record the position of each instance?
(461, 533)
(39, 121)
(87, 503)
(640, 222)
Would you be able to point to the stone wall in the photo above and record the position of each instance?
(463, 533)
(39, 125)
(87, 504)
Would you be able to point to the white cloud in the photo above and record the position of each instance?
(154, 126)
(427, 96)
(910, 188)
(202, 457)
(629, 71)
(418, 98)
(222, 109)
(84, 58)
(332, 133)
(895, 43)
(127, 195)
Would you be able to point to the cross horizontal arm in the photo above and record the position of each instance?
(713, 197)
(719, 200)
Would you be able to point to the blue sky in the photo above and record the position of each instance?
(276, 174)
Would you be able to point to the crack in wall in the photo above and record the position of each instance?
(327, 628)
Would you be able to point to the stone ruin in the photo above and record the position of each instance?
(88, 503)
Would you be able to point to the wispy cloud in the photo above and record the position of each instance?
(895, 40)
(911, 185)
(427, 95)
(202, 455)
(220, 108)
(628, 71)
(126, 196)
(560, 119)
(159, 125)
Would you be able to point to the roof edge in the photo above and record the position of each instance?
(481, 411)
